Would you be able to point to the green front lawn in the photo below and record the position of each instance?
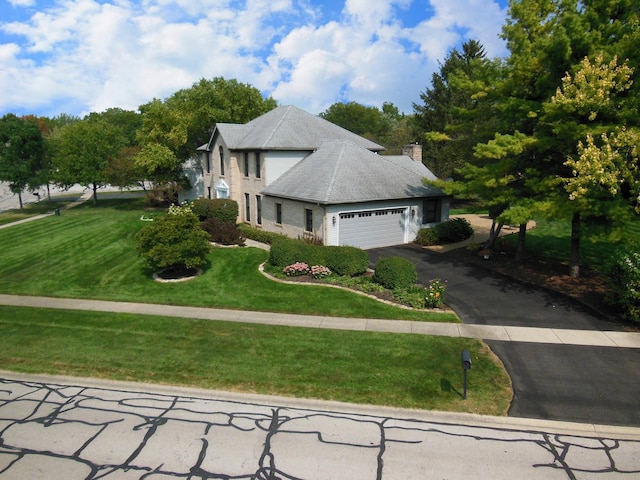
(90, 252)
(551, 240)
(402, 370)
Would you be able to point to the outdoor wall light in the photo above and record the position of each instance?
(333, 220)
(413, 212)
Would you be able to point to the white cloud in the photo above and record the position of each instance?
(22, 3)
(90, 55)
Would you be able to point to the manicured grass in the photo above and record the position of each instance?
(90, 252)
(552, 240)
(378, 368)
(31, 210)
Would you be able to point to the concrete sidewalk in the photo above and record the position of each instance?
(485, 332)
(83, 198)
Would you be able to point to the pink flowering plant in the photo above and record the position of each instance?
(319, 271)
(296, 269)
(434, 293)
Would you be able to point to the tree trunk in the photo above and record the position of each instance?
(574, 258)
(522, 235)
(20, 200)
(493, 235)
(95, 194)
(48, 192)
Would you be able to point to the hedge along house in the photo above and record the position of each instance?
(297, 174)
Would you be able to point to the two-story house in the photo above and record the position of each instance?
(295, 173)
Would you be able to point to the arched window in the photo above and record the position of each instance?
(221, 160)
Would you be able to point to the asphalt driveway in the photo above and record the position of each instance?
(556, 382)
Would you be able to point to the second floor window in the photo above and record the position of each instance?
(221, 151)
(258, 165)
(246, 164)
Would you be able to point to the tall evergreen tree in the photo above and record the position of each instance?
(456, 111)
(548, 39)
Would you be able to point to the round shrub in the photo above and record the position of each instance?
(453, 230)
(346, 261)
(426, 237)
(285, 251)
(173, 242)
(395, 272)
(224, 210)
(223, 233)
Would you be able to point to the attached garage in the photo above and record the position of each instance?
(373, 228)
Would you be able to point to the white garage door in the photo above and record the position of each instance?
(372, 228)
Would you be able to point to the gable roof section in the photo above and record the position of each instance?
(342, 172)
(287, 128)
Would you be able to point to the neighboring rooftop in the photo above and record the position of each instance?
(288, 128)
(344, 172)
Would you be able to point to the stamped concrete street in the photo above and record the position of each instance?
(72, 429)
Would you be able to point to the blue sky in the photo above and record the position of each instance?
(79, 56)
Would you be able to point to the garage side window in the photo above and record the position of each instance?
(279, 213)
(431, 211)
(308, 220)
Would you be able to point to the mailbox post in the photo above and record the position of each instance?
(466, 365)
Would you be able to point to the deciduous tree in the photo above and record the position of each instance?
(21, 153)
(81, 151)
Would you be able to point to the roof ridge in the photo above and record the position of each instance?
(275, 129)
(332, 182)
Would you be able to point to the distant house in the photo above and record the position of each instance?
(295, 173)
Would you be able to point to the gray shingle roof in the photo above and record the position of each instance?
(342, 172)
(287, 128)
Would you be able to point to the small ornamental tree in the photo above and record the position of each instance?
(173, 242)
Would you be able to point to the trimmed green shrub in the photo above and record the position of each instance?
(624, 273)
(346, 261)
(426, 237)
(260, 235)
(395, 272)
(223, 233)
(287, 251)
(224, 210)
(453, 230)
(173, 242)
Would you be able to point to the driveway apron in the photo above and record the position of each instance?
(556, 382)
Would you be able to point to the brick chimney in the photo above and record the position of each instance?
(414, 151)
